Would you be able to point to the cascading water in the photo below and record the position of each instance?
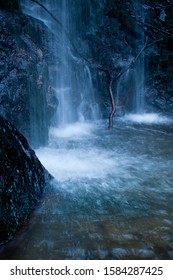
(130, 87)
(65, 112)
(140, 70)
(72, 81)
(88, 108)
(139, 87)
(135, 79)
(111, 196)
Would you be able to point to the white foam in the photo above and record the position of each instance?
(76, 164)
(71, 131)
(147, 118)
(66, 162)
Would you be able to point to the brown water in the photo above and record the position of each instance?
(112, 197)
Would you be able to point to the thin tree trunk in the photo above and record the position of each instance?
(113, 105)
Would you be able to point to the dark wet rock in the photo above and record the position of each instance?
(24, 76)
(22, 180)
(9, 5)
(118, 38)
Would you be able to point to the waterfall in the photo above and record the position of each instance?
(72, 80)
(131, 86)
(139, 86)
(139, 72)
(88, 108)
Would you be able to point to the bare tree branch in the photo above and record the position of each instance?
(132, 63)
(165, 32)
(111, 79)
(75, 50)
(55, 19)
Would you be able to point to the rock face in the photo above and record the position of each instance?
(24, 79)
(10, 5)
(22, 180)
(122, 31)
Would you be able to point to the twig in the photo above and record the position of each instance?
(166, 32)
(65, 32)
